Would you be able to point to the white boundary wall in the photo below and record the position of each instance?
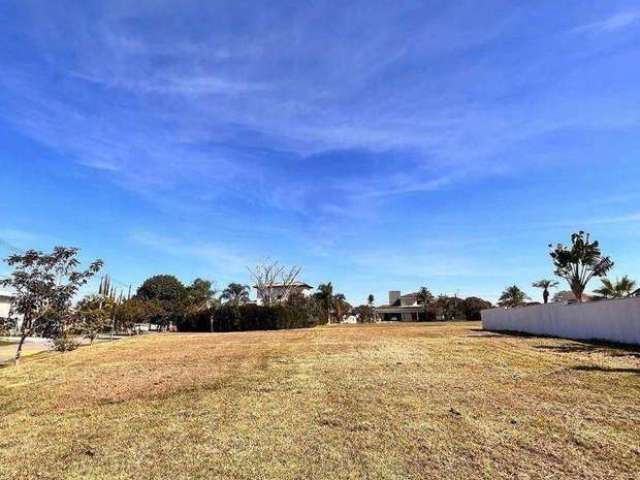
(610, 320)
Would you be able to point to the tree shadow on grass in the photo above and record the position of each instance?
(481, 333)
(596, 368)
(594, 347)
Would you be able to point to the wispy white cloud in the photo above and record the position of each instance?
(615, 22)
(215, 113)
(221, 259)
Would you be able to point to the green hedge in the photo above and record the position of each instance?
(229, 318)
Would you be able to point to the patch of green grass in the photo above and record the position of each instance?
(374, 401)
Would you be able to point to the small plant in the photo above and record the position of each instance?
(64, 344)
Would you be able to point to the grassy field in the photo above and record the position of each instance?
(376, 401)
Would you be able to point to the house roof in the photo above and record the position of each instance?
(406, 300)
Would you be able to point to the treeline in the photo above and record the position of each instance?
(448, 308)
(164, 301)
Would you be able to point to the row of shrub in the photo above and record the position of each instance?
(235, 318)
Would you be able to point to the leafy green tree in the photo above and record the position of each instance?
(44, 286)
(94, 315)
(200, 295)
(580, 262)
(136, 310)
(425, 298)
(364, 313)
(449, 308)
(472, 306)
(624, 287)
(545, 285)
(169, 293)
(324, 295)
(512, 297)
(236, 294)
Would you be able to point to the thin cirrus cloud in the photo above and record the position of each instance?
(612, 23)
(157, 112)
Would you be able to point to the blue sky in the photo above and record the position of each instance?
(379, 145)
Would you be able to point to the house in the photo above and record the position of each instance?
(403, 308)
(277, 292)
(5, 303)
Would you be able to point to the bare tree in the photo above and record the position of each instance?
(273, 282)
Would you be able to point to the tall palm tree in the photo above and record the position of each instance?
(236, 294)
(370, 300)
(424, 297)
(512, 297)
(325, 296)
(545, 285)
(341, 305)
(624, 287)
(580, 262)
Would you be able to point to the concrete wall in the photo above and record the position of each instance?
(610, 320)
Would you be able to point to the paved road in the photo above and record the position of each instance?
(31, 346)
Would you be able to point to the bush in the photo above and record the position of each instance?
(235, 318)
(64, 344)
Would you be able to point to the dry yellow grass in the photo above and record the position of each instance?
(377, 401)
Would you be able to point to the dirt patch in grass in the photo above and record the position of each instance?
(374, 401)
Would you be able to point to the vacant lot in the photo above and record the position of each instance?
(378, 401)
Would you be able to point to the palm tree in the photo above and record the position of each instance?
(424, 297)
(341, 305)
(325, 296)
(624, 287)
(512, 297)
(236, 294)
(545, 285)
(580, 262)
(370, 300)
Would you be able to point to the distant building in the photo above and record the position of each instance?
(6, 299)
(568, 298)
(404, 308)
(278, 291)
(5, 303)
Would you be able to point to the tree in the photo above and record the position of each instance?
(364, 313)
(94, 315)
(274, 282)
(512, 297)
(371, 300)
(200, 295)
(169, 293)
(448, 308)
(424, 297)
(580, 262)
(136, 310)
(545, 285)
(324, 295)
(236, 294)
(341, 306)
(472, 306)
(44, 285)
(624, 287)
